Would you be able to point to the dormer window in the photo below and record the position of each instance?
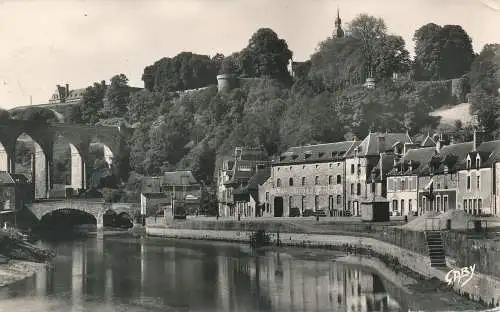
(321, 154)
(478, 162)
(469, 163)
(307, 154)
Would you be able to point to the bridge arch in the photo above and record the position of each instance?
(32, 161)
(65, 218)
(69, 164)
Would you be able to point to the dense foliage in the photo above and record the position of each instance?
(324, 102)
(442, 52)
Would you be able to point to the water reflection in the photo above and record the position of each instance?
(147, 275)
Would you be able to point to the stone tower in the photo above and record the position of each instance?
(338, 26)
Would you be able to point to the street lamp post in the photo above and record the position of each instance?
(373, 176)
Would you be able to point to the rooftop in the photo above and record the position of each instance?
(370, 145)
(315, 153)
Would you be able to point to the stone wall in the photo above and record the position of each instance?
(465, 251)
(480, 288)
(485, 254)
(299, 194)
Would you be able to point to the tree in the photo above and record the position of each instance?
(485, 87)
(93, 102)
(427, 52)
(143, 106)
(73, 114)
(4, 115)
(185, 71)
(217, 60)
(442, 52)
(116, 97)
(337, 63)
(456, 52)
(266, 56)
(36, 114)
(390, 56)
(368, 29)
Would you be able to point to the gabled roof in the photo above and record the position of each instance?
(418, 158)
(489, 152)
(316, 153)
(259, 178)
(369, 146)
(6, 178)
(428, 142)
(243, 170)
(460, 150)
(184, 177)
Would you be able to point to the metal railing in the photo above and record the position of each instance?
(433, 224)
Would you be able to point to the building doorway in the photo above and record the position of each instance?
(278, 206)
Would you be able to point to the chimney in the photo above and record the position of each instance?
(381, 144)
(67, 90)
(410, 166)
(474, 146)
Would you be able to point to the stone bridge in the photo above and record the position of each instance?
(80, 137)
(95, 208)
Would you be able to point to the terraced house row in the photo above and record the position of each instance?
(335, 178)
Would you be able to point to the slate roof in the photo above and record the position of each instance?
(259, 178)
(184, 177)
(151, 185)
(316, 153)
(6, 178)
(489, 152)
(369, 146)
(243, 170)
(460, 150)
(419, 158)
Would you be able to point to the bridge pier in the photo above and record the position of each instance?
(77, 169)
(40, 173)
(100, 222)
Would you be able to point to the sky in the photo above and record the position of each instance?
(45, 43)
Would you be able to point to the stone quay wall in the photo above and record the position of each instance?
(463, 249)
(481, 288)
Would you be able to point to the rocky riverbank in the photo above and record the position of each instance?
(18, 258)
(16, 270)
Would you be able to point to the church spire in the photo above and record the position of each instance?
(338, 25)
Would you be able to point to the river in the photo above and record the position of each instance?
(121, 273)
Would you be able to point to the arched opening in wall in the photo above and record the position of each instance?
(123, 220)
(31, 162)
(65, 223)
(68, 169)
(99, 173)
(4, 159)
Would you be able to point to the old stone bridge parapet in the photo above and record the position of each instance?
(96, 208)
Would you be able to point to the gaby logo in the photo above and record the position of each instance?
(458, 275)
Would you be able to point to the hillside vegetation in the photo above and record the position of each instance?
(325, 101)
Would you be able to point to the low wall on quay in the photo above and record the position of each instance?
(481, 288)
(484, 253)
(462, 249)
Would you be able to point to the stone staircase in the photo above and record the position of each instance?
(435, 247)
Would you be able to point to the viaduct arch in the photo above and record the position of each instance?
(80, 137)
